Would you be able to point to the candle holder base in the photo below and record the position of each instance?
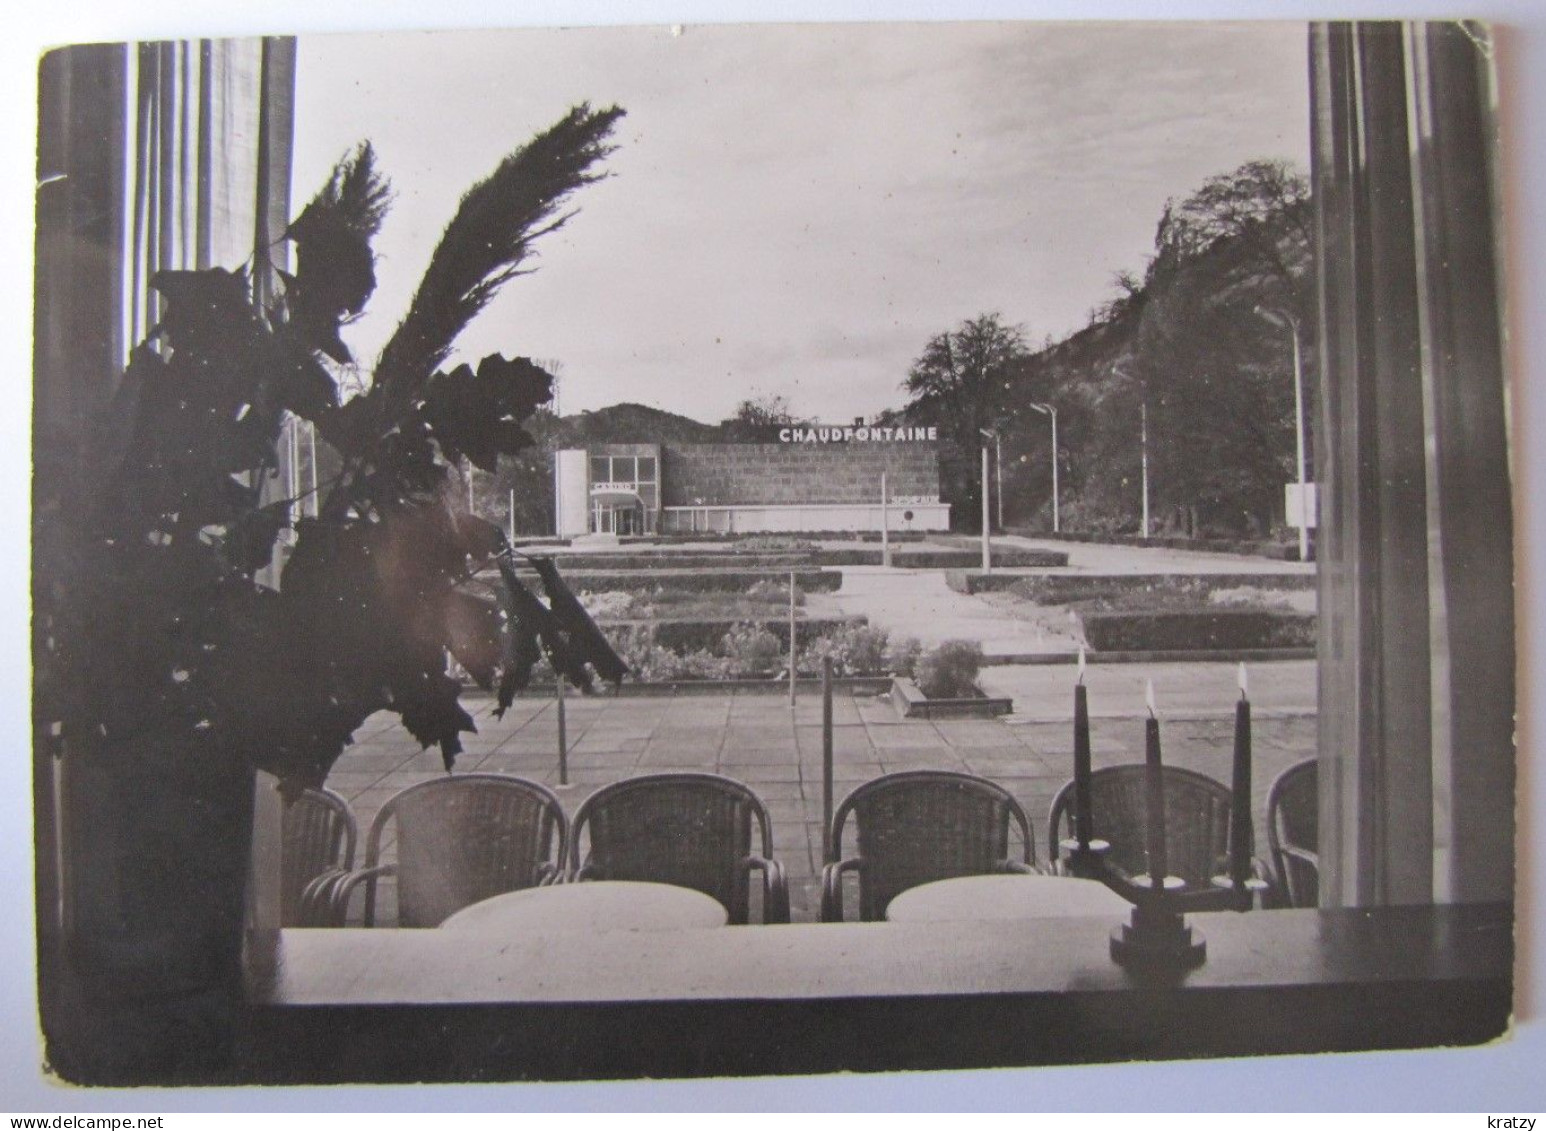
(1157, 939)
(1248, 893)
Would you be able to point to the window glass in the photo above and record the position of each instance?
(622, 469)
(600, 471)
(646, 469)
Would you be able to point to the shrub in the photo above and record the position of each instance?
(651, 663)
(775, 592)
(855, 649)
(750, 649)
(950, 671)
(902, 656)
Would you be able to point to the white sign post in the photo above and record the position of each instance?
(1299, 509)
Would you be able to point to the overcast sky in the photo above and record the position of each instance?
(797, 209)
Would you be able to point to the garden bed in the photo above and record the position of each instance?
(1219, 629)
(689, 634)
(912, 703)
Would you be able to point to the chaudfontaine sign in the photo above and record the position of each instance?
(857, 433)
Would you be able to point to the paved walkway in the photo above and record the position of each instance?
(1097, 557)
(758, 739)
(918, 603)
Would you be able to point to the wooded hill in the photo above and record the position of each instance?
(1185, 338)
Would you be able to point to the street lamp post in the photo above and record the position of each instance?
(1051, 411)
(987, 558)
(998, 472)
(1143, 441)
(1285, 320)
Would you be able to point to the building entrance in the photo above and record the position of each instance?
(618, 518)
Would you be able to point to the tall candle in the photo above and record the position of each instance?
(1159, 865)
(1240, 801)
(1083, 816)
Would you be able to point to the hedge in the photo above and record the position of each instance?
(698, 580)
(1202, 630)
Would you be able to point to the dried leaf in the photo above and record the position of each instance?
(480, 415)
(585, 638)
(473, 629)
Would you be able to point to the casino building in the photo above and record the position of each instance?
(808, 479)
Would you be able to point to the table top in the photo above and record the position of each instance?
(592, 906)
(1006, 896)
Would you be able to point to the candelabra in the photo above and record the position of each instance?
(1158, 936)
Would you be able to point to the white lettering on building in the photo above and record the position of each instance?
(910, 434)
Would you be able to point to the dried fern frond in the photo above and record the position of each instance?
(356, 194)
(335, 268)
(485, 244)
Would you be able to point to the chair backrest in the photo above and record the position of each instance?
(692, 830)
(318, 834)
(466, 838)
(1196, 821)
(919, 826)
(1293, 816)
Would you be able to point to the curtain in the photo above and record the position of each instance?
(1416, 539)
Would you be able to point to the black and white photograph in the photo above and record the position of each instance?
(693, 550)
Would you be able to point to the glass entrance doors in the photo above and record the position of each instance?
(618, 518)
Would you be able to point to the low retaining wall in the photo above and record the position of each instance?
(910, 702)
(1278, 551)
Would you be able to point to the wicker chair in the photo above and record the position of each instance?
(692, 830)
(919, 826)
(460, 840)
(317, 843)
(1196, 821)
(1293, 834)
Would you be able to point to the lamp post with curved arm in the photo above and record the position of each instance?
(1051, 411)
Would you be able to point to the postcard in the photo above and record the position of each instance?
(623, 552)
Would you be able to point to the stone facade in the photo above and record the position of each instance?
(797, 474)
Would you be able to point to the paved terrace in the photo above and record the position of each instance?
(758, 739)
